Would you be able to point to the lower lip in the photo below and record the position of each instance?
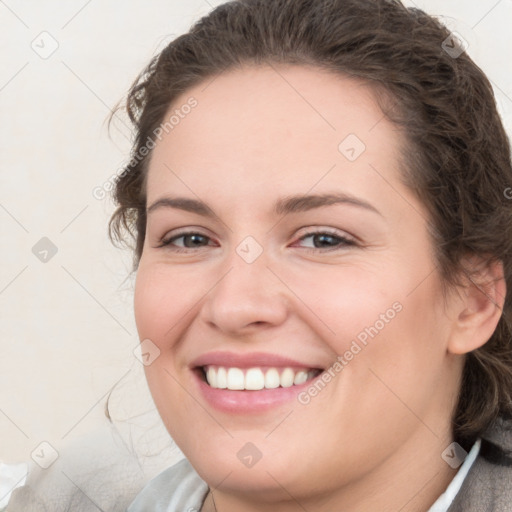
(243, 402)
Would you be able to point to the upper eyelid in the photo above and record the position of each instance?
(192, 230)
(320, 230)
(308, 231)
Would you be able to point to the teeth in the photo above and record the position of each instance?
(254, 379)
(272, 379)
(235, 379)
(300, 377)
(287, 378)
(222, 378)
(211, 376)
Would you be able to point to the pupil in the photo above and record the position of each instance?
(323, 240)
(193, 240)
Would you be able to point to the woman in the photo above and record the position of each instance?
(323, 245)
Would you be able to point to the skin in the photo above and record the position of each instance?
(372, 439)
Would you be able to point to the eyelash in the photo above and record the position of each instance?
(342, 241)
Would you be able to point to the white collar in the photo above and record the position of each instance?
(444, 501)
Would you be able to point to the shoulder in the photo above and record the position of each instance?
(488, 486)
(177, 489)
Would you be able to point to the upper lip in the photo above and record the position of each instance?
(248, 360)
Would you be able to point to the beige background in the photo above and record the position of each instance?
(67, 333)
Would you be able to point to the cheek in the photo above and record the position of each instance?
(380, 319)
(161, 300)
(347, 300)
(149, 300)
(401, 363)
(160, 304)
(396, 297)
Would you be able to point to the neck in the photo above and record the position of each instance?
(209, 504)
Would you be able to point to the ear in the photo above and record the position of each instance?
(479, 305)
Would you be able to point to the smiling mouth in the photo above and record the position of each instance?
(255, 379)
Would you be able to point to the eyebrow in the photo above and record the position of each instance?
(284, 206)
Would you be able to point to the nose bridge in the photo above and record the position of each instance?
(248, 266)
(248, 293)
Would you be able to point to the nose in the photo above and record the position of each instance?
(246, 298)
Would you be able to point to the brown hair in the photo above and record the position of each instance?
(457, 158)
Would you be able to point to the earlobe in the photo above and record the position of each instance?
(480, 306)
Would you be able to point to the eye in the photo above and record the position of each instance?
(314, 240)
(184, 241)
(317, 240)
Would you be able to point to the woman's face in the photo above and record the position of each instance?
(293, 244)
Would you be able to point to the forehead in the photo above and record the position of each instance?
(288, 125)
